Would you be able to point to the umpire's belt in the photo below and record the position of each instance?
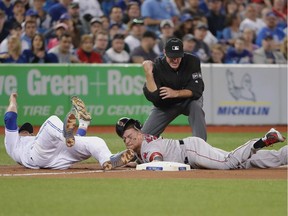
(181, 142)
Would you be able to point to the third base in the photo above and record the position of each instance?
(163, 166)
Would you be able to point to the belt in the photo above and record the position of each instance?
(181, 142)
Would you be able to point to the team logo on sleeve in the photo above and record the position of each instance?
(197, 75)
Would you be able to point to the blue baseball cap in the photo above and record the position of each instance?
(65, 16)
(186, 17)
(31, 12)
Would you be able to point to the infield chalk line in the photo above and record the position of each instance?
(59, 173)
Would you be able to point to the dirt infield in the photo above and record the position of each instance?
(94, 171)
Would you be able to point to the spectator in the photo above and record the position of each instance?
(201, 49)
(123, 4)
(26, 4)
(251, 21)
(16, 29)
(280, 10)
(167, 29)
(37, 53)
(185, 27)
(189, 43)
(105, 23)
(58, 9)
(217, 54)
(145, 50)
(231, 31)
(270, 29)
(31, 15)
(29, 32)
(100, 45)
(7, 7)
(241, 5)
(44, 19)
(95, 26)
(59, 29)
(116, 17)
(215, 18)
(238, 54)
(113, 30)
(133, 12)
(181, 5)
(85, 53)
(48, 4)
(137, 29)
(249, 38)
(78, 28)
(4, 26)
(18, 13)
(116, 53)
(283, 48)
(90, 8)
(230, 7)
(209, 39)
(193, 8)
(267, 54)
(66, 18)
(156, 11)
(64, 50)
(13, 55)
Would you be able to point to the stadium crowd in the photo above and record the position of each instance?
(131, 31)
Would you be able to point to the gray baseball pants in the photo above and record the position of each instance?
(159, 118)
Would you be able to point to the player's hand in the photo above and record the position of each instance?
(148, 67)
(13, 97)
(166, 92)
(131, 165)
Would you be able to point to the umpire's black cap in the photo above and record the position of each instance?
(124, 122)
(26, 127)
(174, 48)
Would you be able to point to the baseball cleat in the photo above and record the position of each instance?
(273, 136)
(68, 129)
(80, 109)
(121, 158)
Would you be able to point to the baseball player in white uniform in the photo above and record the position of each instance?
(199, 154)
(55, 146)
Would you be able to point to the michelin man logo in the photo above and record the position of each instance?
(244, 90)
(175, 47)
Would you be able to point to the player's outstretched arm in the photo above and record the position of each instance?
(12, 103)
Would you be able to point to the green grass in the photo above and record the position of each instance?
(137, 197)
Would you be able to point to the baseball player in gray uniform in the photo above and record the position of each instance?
(199, 154)
(55, 146)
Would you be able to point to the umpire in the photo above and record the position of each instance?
(174, 85)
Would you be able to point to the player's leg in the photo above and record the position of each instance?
(81, 114)
(267, 159)
(49, 142)
(202, 155)
(158, 120)
(196, 118)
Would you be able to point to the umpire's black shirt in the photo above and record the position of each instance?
(187, 76)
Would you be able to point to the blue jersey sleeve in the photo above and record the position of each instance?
(10, 120)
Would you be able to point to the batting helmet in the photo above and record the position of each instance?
(26, 127)
(124, 122)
